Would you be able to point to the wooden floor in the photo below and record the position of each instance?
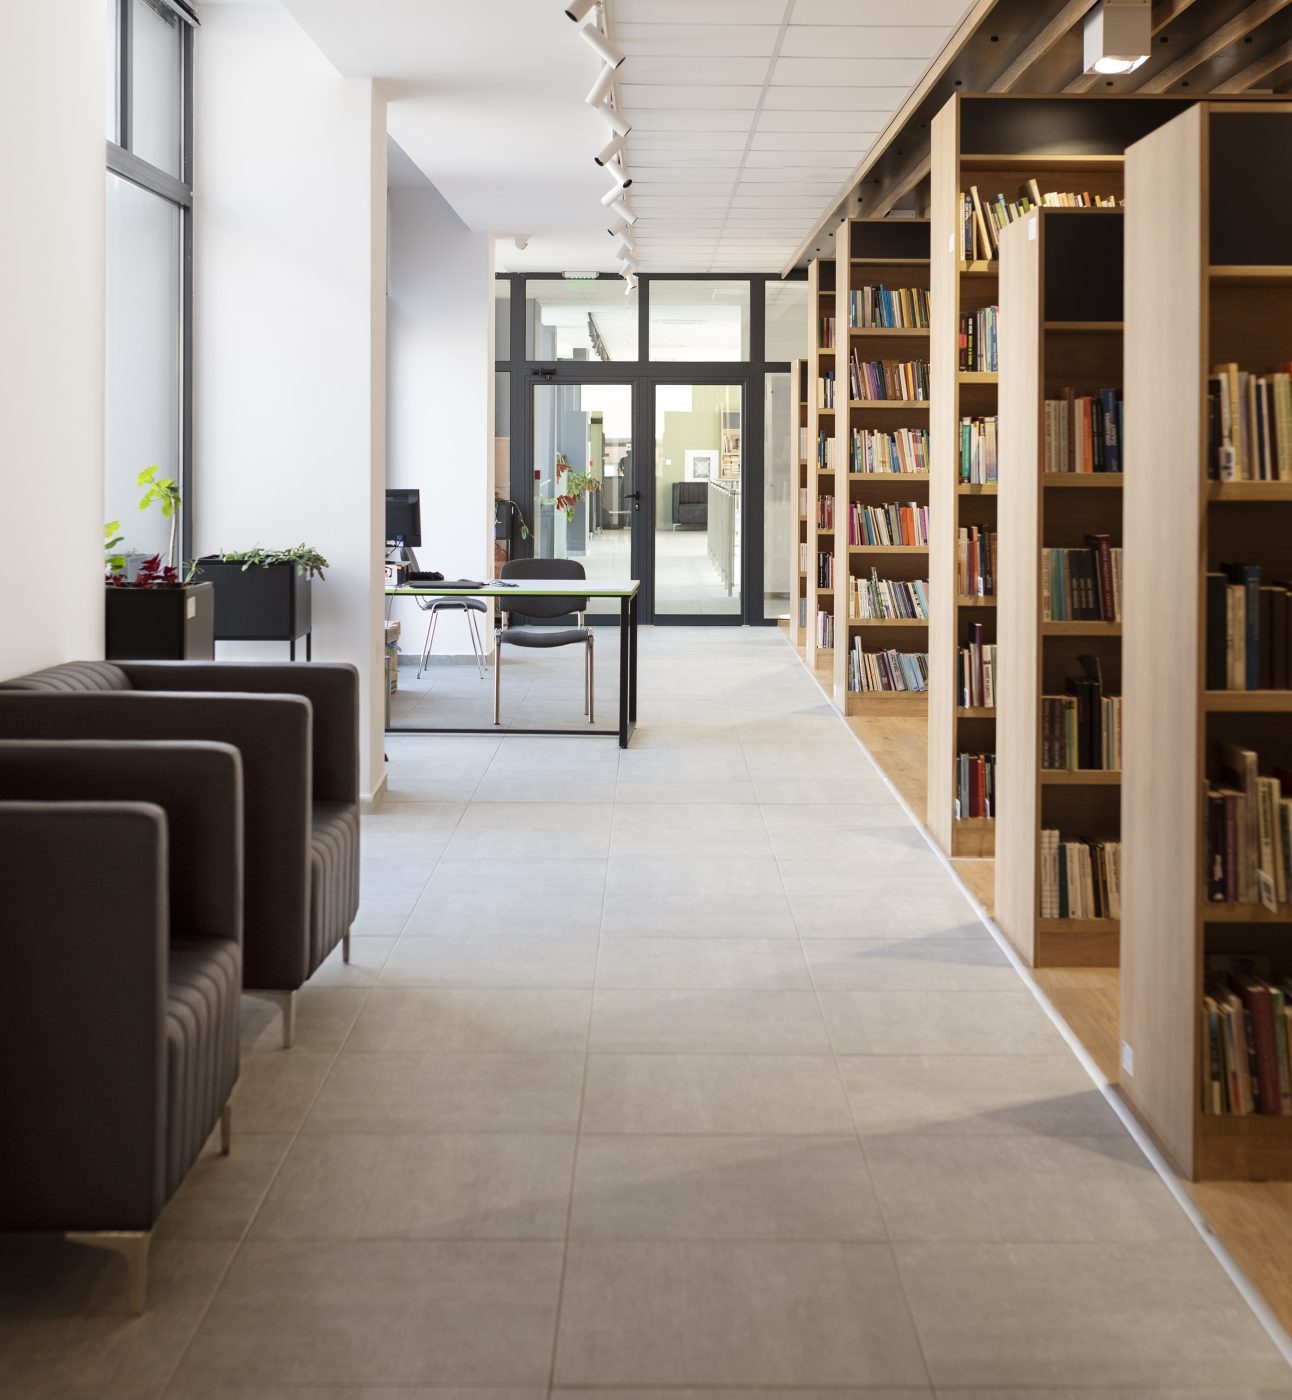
(1252, 1219)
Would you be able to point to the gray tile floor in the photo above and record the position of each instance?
(673, 1074)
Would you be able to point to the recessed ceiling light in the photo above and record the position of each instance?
(1117, 35)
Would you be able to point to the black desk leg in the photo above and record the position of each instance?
(291, 654)
(625, 646)
(632, 663)
(309, 646)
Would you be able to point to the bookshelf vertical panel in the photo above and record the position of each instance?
(1164, 564)
(820, 295)
(842, 490)
(944, 435)
(798, 488)
(1018, 743)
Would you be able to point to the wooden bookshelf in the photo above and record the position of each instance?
(798, 490)
(997, 142)
(1056, 265)
(891, 253)
(821, 303)
(1199, 190)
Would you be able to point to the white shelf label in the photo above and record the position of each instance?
(1128, 1059)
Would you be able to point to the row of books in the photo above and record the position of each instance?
(975, 785)
(904, 451)
(1080, 878)
(976, 671)
(826, 453)
(978, 450)
(803, 502)
(1082, 729)
(1248, 833)
(886, 670)
(905, 380)
(825, 512)
(825, 333)
(1082, 585)
(983, 219)
(1245, 1035)
(804, 558)
(824, 629)
(1084, 432)
(824, 569)
(879, 599)
(976, 562)
(1249, 424)
(893, 523)
(1249, 630)
(977, 349)
(889, 308)
(825, 390)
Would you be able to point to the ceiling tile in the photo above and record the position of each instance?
(808, 164)
(697, 40)
(699, 71)
(901, 73)
(862, 41)
(652, 176)
(677, 142)
(688, 119)
(869, 12)
(840, 143)
(698, 11)
(641, 97)
(859, 125)
(835, 100)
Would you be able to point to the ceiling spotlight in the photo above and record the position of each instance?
(630, 285)
(601, 46)
(623, 211)
(621, 176)
(615, 192)
(610, 150)
(580, 9)
(627, 266)
(1117, 36)
(605, 80)
(624, 248)
(620, 226)
(613, 120)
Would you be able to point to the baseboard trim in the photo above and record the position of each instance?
(371, 802)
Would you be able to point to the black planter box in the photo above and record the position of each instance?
(265, 603)
(160, 624)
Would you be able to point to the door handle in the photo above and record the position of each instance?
(634, 497)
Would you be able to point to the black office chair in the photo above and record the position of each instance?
(436, 606)
(543, 636)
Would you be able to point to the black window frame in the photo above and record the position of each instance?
(644, 374)
(124, 163)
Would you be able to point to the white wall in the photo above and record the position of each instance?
(52, 252)
(289, 323)
(441, 360)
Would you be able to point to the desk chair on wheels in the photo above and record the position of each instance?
(436, 606)
(544, 608)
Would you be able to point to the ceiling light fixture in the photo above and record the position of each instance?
(620, 175)
(613, 120)
(615, 192)
(624, 248)
(609, 151)
(605, 81)
(1117, 36)
(601, 46)
(630, 285)
(628, 267)
(620, 226)
(578, 10)
(623, 211)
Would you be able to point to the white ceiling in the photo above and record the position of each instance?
(747, 115)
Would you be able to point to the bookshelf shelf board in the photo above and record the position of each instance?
(1244, 914)
(974, 600)
(825, 592)
(975, 823)
(1069, 481)
(893, 332)
(886, 477)
(1250, 273)
(886, 702)
(976, 488)
(1249, 490)
(980, 267)
(888, 622)
(1081, 777)
(1081, 629)
(976, 712)
(977, 376)
(1254, 1148)
(1078, 925)
(888, 549)
(1251, 702)
(1115, 326)
(1038, 161)
(887, 405)
(889, 262)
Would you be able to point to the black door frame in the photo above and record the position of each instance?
(644, 375)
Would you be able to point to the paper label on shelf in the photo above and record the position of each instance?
(1128, 1059)
(1031, 229)
(190, 607)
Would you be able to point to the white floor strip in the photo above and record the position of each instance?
(1251, 1295)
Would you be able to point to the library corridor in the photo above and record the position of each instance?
(722, 1085)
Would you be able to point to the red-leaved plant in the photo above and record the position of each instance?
(152, 573)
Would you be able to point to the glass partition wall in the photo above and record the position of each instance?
(684, 369)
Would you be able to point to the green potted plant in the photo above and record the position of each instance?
(152, 611)
(263, 594)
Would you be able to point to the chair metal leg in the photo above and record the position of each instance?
(287, 1002)
(497, 678)
(345, 946)
(132, 1246)
(477, 644)
(430, 642)
(226, 1129)
(592, 686)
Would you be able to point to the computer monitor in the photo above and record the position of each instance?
(404, 518)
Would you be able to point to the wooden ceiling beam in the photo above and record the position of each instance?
(1045, 39)
(1232, 32)
(1250, 76)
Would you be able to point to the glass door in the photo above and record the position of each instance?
(699, 458)
(583, 502)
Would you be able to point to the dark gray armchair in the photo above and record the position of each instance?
(297, 729)
(121, 872)
(543, 609)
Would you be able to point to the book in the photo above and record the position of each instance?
(975, 786)
(975, 562)
(976, 671)
(904, 452)
(1080, 877)
(1245, 1031)
(1084, 432)
(886, 380)
(874, 599)
(889, 524)
(1082, 585)
(1249, 424)
(978, 450)
(888, 308)
(886, 670)
(977, 350)
(1247, 830)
